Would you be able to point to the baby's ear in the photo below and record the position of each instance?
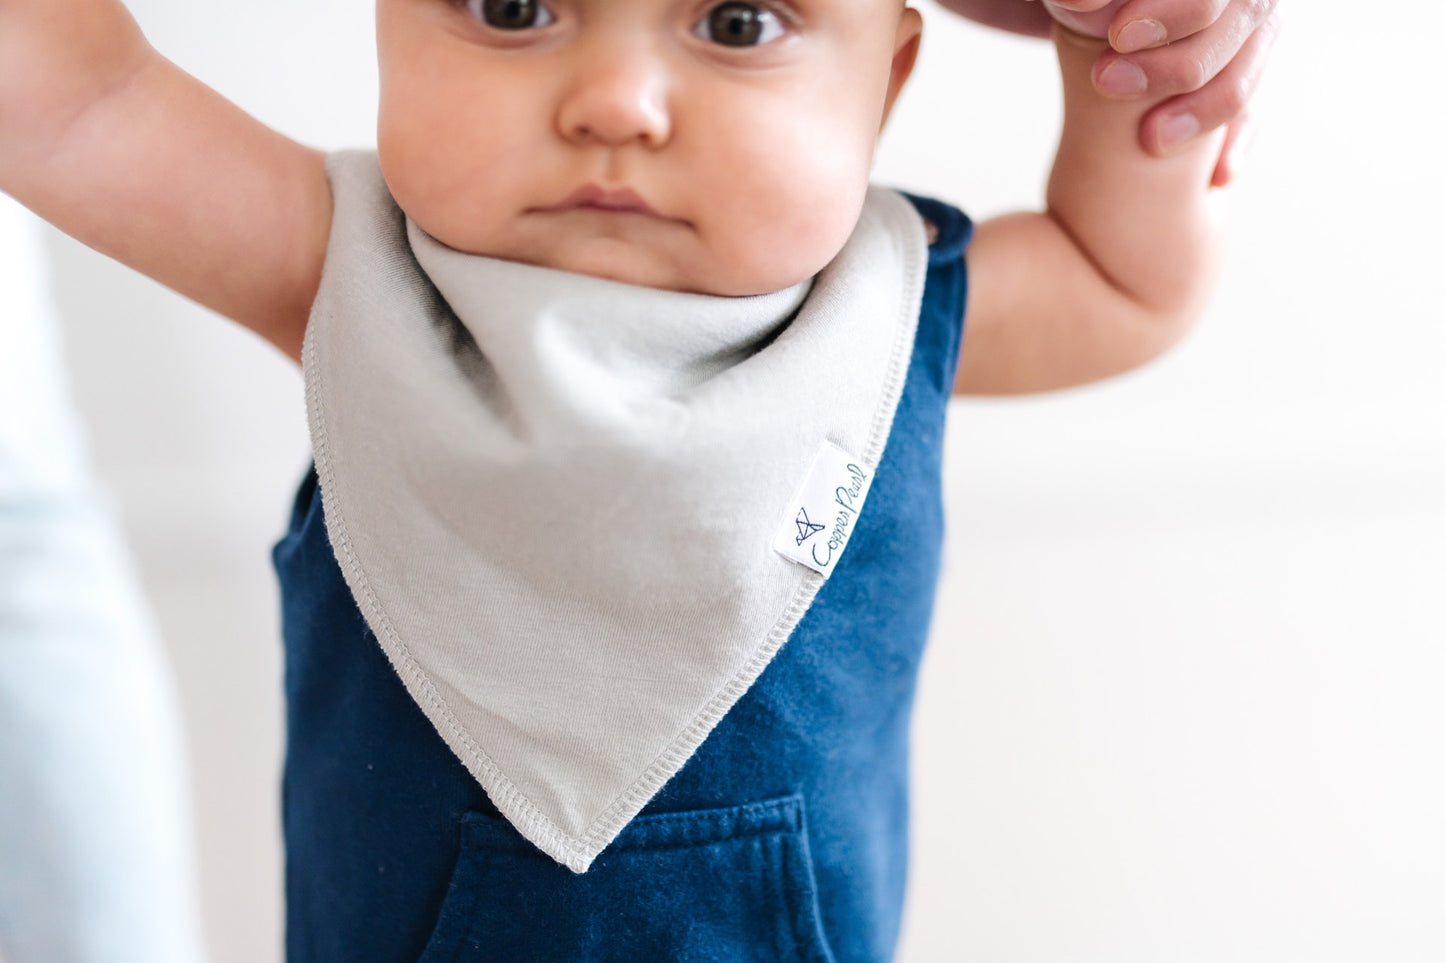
(905, 55)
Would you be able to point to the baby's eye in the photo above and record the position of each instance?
(511, 14)
(739, 25)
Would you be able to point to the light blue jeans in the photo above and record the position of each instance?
(96, 840)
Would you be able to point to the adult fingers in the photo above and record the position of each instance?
(1145, 24)
(1176, 68)
(1171, 125)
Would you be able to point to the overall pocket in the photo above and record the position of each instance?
(730, 885)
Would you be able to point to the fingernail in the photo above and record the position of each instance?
(1140, 35)
(1176, 130)
(1122, 78)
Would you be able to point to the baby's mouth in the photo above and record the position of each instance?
(595, 198)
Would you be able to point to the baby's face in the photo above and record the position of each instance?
(698, 145)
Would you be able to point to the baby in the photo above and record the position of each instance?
(604, 604)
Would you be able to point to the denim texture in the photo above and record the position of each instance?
(783, 838)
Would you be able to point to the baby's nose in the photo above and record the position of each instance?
(617, 99)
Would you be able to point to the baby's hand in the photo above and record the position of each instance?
(1088, 17)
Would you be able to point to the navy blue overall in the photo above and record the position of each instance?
(783, 838)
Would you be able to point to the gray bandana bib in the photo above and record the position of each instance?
(580, 516)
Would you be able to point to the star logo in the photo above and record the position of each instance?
(806, 528)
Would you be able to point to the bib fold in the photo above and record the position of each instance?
(558, 500)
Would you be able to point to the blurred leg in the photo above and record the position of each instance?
(96, 848)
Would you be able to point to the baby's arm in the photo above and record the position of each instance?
(118, 147)
(1112, 273)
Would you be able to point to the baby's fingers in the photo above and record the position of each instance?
(1089, 17)
(1236, 144)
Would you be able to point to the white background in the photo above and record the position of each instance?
(1182, 700)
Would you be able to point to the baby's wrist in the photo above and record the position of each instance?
(1064, 34)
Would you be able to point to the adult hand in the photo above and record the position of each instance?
(1203, 56)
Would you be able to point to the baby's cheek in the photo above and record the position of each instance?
(792, 243)
(827, 210)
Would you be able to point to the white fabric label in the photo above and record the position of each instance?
(824, 510)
